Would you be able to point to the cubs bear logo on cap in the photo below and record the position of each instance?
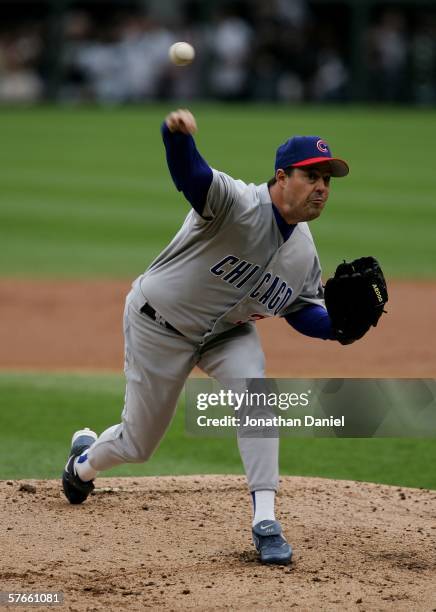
(301, 151)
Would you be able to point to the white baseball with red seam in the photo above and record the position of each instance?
(181, 53)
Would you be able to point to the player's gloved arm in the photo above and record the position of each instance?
(190, 172)
(313, 321)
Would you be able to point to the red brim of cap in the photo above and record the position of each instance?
(338, 167)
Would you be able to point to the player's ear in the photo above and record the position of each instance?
(280, 176)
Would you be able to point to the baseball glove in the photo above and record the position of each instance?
(355, 297)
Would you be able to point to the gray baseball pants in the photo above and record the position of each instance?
(157, 364)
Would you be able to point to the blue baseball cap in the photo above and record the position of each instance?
(301, 151)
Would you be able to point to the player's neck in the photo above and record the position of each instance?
(277, 200)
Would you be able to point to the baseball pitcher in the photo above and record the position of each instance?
(243, 253)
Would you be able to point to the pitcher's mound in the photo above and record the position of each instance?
(172, 543)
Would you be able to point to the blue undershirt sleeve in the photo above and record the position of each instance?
(190, 172)
(313, 321)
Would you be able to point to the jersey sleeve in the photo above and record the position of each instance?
(223, 193)
(191, 174)
(312, 320)
(211, 193)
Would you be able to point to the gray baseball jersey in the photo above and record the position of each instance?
(223, 270)
(232, 265)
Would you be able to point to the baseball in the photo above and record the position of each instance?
(181, 53)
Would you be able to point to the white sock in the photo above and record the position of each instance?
(83, 468)
(263, 506)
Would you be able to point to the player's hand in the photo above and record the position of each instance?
(181, 120)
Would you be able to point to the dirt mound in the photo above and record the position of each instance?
(172, 543)
(67, 325)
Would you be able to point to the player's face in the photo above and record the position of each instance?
(306, 192)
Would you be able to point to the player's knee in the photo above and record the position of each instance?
(143, 455)
(136, 446)
(136, 453)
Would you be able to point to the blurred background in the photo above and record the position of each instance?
(115, 52)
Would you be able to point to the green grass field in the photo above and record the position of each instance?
(40, 411)
(86, 193)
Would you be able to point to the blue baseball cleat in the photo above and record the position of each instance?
(270, 543)
(76, 490)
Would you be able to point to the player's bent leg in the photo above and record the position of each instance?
(157, 364)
